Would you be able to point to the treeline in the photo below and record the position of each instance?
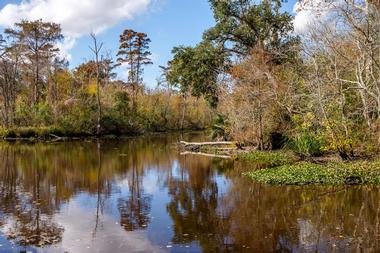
(41, 96)
(317, 92)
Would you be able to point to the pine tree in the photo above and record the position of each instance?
(134, 52)
(37, 41)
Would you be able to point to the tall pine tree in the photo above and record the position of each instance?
(134, 52)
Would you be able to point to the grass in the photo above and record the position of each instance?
(35, 133)
(304, 173)
(269, 159)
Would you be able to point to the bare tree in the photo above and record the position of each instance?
(37, 40)
(96, 49)
(9, 81)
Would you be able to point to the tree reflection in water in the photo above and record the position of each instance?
(195, 206)
(135, 209)
(35, 180)
(31, 218)
(210, 206)
(257, 218)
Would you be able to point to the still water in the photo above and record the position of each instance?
(141, 195)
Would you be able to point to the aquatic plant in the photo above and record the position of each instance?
(303, 173)
(269, 159)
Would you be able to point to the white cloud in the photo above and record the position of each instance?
(66, 46)
(302, 19)
(77, 17)
(309, 15)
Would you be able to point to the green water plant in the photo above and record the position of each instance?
(269, 159)
(304, 173)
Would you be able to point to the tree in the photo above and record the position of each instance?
(257, 100)
(87, 71)
(323, 5)
(196, 70)
(241, 25)
(142, 55)
(9, 81)
(96, 50)
(37, 41)
(343, 55)
(250, 46)
(134, 51)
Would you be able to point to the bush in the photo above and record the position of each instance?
(9, 133)
(76, 115)
(305, 144)
(26, 132)
(32, 132)
(36, 115)
(79, 119)
(218, 129)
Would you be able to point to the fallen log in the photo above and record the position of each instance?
(200, 144)
(206, 154)
(56, 138)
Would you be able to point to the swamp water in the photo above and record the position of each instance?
(141, 195)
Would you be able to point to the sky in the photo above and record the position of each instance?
(168, 23)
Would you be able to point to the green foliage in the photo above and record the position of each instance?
(268, 159)
(42, 114)
(134, 51)
(218, 129)
(32, 133)
(242, 25)
(78, 117)
(305, 144)
(39, 114)
(112, 123)
(363, 172)
(305, 138)
(121, 102)
(196, 70)
(42, 95)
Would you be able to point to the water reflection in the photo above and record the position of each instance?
(135, 208)
(140, 195)
(26, 212)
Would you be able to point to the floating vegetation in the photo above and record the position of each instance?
(304, 173)
(269, 159)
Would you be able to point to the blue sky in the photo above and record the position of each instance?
(168, 23)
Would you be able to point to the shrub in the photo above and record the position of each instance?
(36, 115)
(9, 133)
(305, 144)
(218, 129)
(26, 132)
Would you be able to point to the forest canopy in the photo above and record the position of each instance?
(40, 95)
(317, 92)
(252, 79)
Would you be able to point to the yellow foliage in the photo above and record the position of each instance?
(92, 87)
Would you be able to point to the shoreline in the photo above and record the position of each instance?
(285, 167)
(280, 168)
(45, 134)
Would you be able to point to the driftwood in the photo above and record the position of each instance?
(200, 144)
(195, 148)
(56, 138)
(205, 154)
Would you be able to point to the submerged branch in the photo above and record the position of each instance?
(206, 154)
